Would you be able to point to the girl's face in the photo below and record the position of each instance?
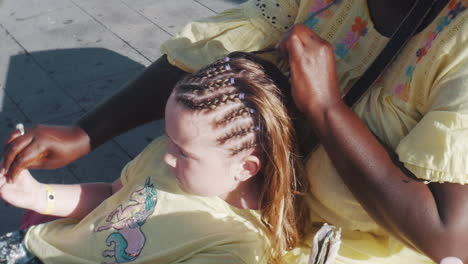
(200, 165)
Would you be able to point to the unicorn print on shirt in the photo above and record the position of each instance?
(128, 240)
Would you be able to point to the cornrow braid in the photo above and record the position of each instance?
(232, 115)
(202, 89)
(221, 100)
(221, 82)
(235, 134)
(210, 103)
(243, 147)
(216, 71)
(211, 71)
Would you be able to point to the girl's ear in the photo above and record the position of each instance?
(250, 167)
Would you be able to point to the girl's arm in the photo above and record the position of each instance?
(75, 200)
(431, 218)
(69, 200)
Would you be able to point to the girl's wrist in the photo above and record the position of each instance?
(41, 202)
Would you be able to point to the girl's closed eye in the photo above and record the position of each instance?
(179, 149)
(182, 153)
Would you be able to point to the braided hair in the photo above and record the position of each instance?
(246, 97)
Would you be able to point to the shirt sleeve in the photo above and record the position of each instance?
(238, 29)
(436, 149)
(214, 258)
(155, 150)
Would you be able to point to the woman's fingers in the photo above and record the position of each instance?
(14, 135)
(28, 158)
(14, 148)
(300, 31)
(2, 181)
(295, 49)
(306, 35)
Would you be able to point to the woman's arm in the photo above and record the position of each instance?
(431, 218)
(139, 102)
(49, 147)
(69, 200)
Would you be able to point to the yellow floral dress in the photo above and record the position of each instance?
(418, 107)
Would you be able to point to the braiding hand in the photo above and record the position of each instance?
(313, 70)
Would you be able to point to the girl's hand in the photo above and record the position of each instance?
(24, 192)
(313, 70)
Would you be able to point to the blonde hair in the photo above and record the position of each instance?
(250, 96)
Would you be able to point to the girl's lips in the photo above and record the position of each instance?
(177, 178)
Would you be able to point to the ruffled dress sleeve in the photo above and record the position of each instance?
(253, 26)
(436, 149)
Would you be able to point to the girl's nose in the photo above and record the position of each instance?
(170, 160)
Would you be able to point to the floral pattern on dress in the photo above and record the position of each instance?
(315, 13)
(358, 29)
(320, 4)
(454, 9)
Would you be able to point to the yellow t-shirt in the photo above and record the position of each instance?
(418, 107)
(150, 220)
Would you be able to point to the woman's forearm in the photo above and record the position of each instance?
(139, 102)
(71, 200)
(432, 220)
(404, 206)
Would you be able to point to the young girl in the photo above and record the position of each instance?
(221, 187)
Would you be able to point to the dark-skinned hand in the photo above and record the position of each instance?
(313, 69)
(43, 147)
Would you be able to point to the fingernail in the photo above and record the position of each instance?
(451, 260)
